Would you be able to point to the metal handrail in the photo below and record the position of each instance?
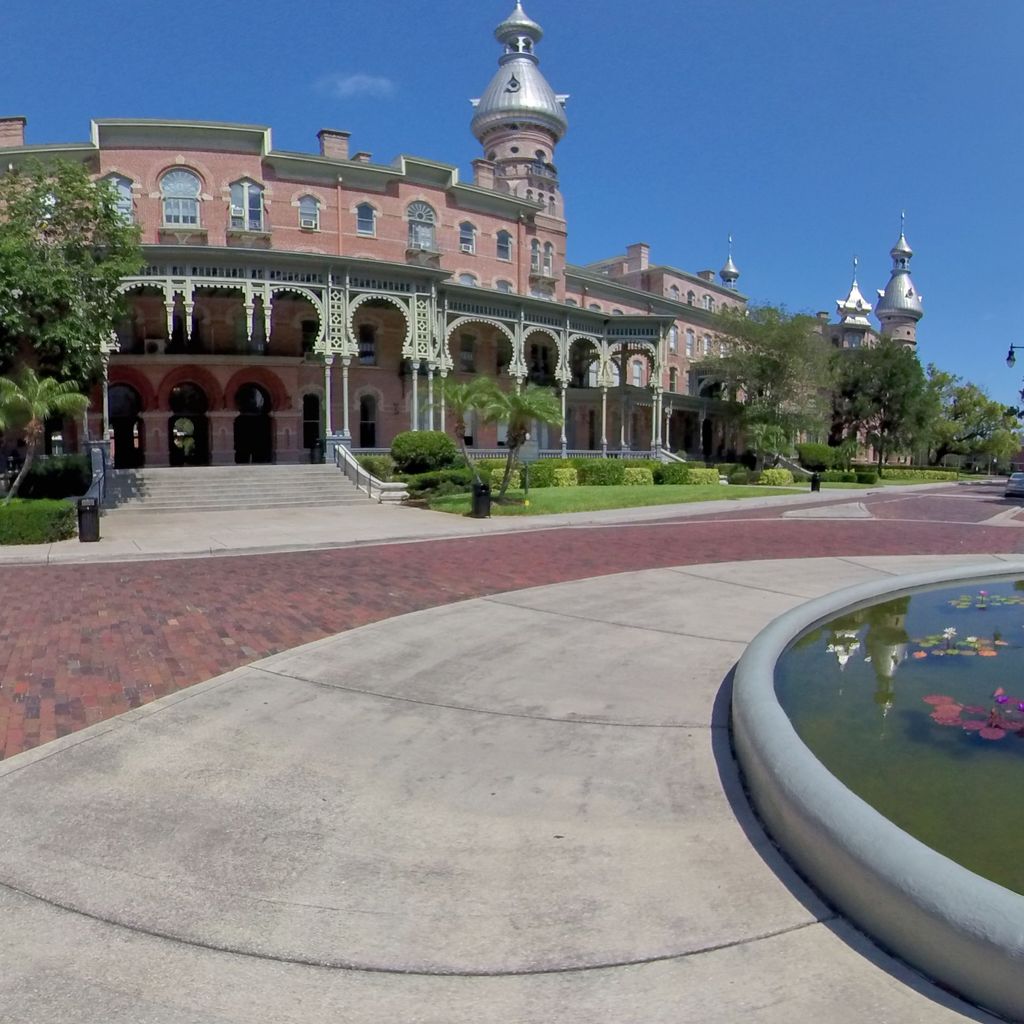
(364, 480)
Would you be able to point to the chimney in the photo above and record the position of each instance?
(822, 315)
(483, 173)
(706, 275)
(12, 132)
(636, 257)
(362, 157)
(333, 143)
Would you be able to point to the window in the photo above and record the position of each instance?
(711, 304)
(638, 374)
(535, 256)
(549, 258)
(690, 298)
(246, 206)
(705, 301)
(616, 312)
(467, 237)
(366, 219)
(180, 190)
(503, 286)
(689, 342)
(504, 245)
(421, 219)
(673, 339)
(467, 359)
(595, 307)
(674, 293)
(469, 279)
(673, 379)
(707, 344)
(571, 302)
(309, 213)
(367, 345)
(123, 192)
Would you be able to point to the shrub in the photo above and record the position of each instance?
(673, 473)
(566, 477)
(497, 475)
(638, 476)
(601, 472)
(420, 484)
(776, 477)
(60, 476)
(740, 476)
(651, 464)
(37, 522)
(839, 476)
(816, 457)
(542, 473)
(913, 473)
(701, 475)
(381, 466)
(419, 451)
(727, 468)
(866, 476)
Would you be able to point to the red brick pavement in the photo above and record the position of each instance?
(79, 644)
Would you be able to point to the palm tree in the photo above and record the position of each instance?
(463, 398)
(520, 410)
(27, 401)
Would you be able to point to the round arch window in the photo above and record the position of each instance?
(252, 400)
(189, 399)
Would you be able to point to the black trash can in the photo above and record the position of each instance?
(88, 519)
(815, 482)
(316, 453)
(481, 501)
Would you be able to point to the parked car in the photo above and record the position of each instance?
(1015, 486)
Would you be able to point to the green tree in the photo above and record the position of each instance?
(519, 410)
(767, 439)
(26, 403)
(461, 399)
(777, 365)
(963, 420)
(881, 392)
(64, 248)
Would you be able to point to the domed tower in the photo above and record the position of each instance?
(730, 273)
(519, 120)
(853, 316)
(899, 306)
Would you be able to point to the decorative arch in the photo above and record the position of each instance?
(134, 286)
(463, 320)
(373, 296)
(279, 397)
(311, 296)
(135, 379)
(191, 375)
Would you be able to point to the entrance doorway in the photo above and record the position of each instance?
(188, 430)
(254, 429)
(367, 421)
(129, 432)
(310, 420)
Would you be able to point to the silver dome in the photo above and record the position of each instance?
(900, 298)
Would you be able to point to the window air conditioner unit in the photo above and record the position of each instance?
(309, 223)
(155, 346)
(466, 247)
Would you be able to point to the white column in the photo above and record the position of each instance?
(345, 432)
(189, 309)
(563, 439)
(668, 423)
(106, 396)
(328, 426)
(250, 309)
(655, 421)
(414, 419)
(604, 420)
(169, 306)
(430, 397)
(443, 410)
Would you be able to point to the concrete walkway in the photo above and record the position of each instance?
(520, 808)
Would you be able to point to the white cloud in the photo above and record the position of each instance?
(344, 87)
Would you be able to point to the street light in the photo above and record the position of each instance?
(1010, 357)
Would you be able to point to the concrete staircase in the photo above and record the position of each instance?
(224, 488)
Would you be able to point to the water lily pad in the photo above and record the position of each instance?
(938, 698)
(990, 732)
(974, 725)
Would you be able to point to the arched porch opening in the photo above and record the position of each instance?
(367, 420)
(188, 428)
(253, 426)
(540, 353)
(294, 324)
(125, 406)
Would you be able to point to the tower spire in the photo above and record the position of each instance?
(730, 272)
(899, 306)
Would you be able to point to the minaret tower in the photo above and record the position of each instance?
(853, 315)
(730, 273)
(519, 120)
(899, 306)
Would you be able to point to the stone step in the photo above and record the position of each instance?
(212, 505)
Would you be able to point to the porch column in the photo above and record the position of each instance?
(250, 311)
(328, 419)
(443, 410)
(563, 439)
(345, 432)
(430, 397)
(189, 325)
(623, 398)
(604, 420)
(106, 396)
(170, 307)
(668, 423)
(414, 418)
(655, 422)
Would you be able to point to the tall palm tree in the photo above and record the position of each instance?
(26, 402)
(463, 398)
(520, 410)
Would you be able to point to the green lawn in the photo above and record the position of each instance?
(546, 500)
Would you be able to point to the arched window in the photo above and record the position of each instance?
(690, 298)
(246, 206)
(367, 345)
(638, 373)
(366, 219)
(707, 344)
(535, 256)
(123, 192)
(467, 237)
(617, 312)
(549, 258)
(674, 293)
(673, 379)
(705, 301)
(595, 307)
(711, 304)
(421, 219)
(503, 286)
(689, 341)
(504, 246)
(571, 302)
(673, 339)
(180, 190)
(468, 279)
(309, 213)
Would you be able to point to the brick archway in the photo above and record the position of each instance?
(194, 375)
(280, 400)
(135, 379)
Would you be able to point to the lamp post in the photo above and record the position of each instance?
(1010, 357)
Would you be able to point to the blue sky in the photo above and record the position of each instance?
(802, 127)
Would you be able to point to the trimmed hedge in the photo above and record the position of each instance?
(420, 451)
(673, 473)
(566, 477)
(638, 476)
(728, 468)
(59, 476)
(601, 472)
(912, 473)
(866, 476)
(439, 481)
(41, 521)
(515, 481)
(381, 466)
(776, 477)
(839, 476)
(742, 477)
(816, 457)
(701, 476)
